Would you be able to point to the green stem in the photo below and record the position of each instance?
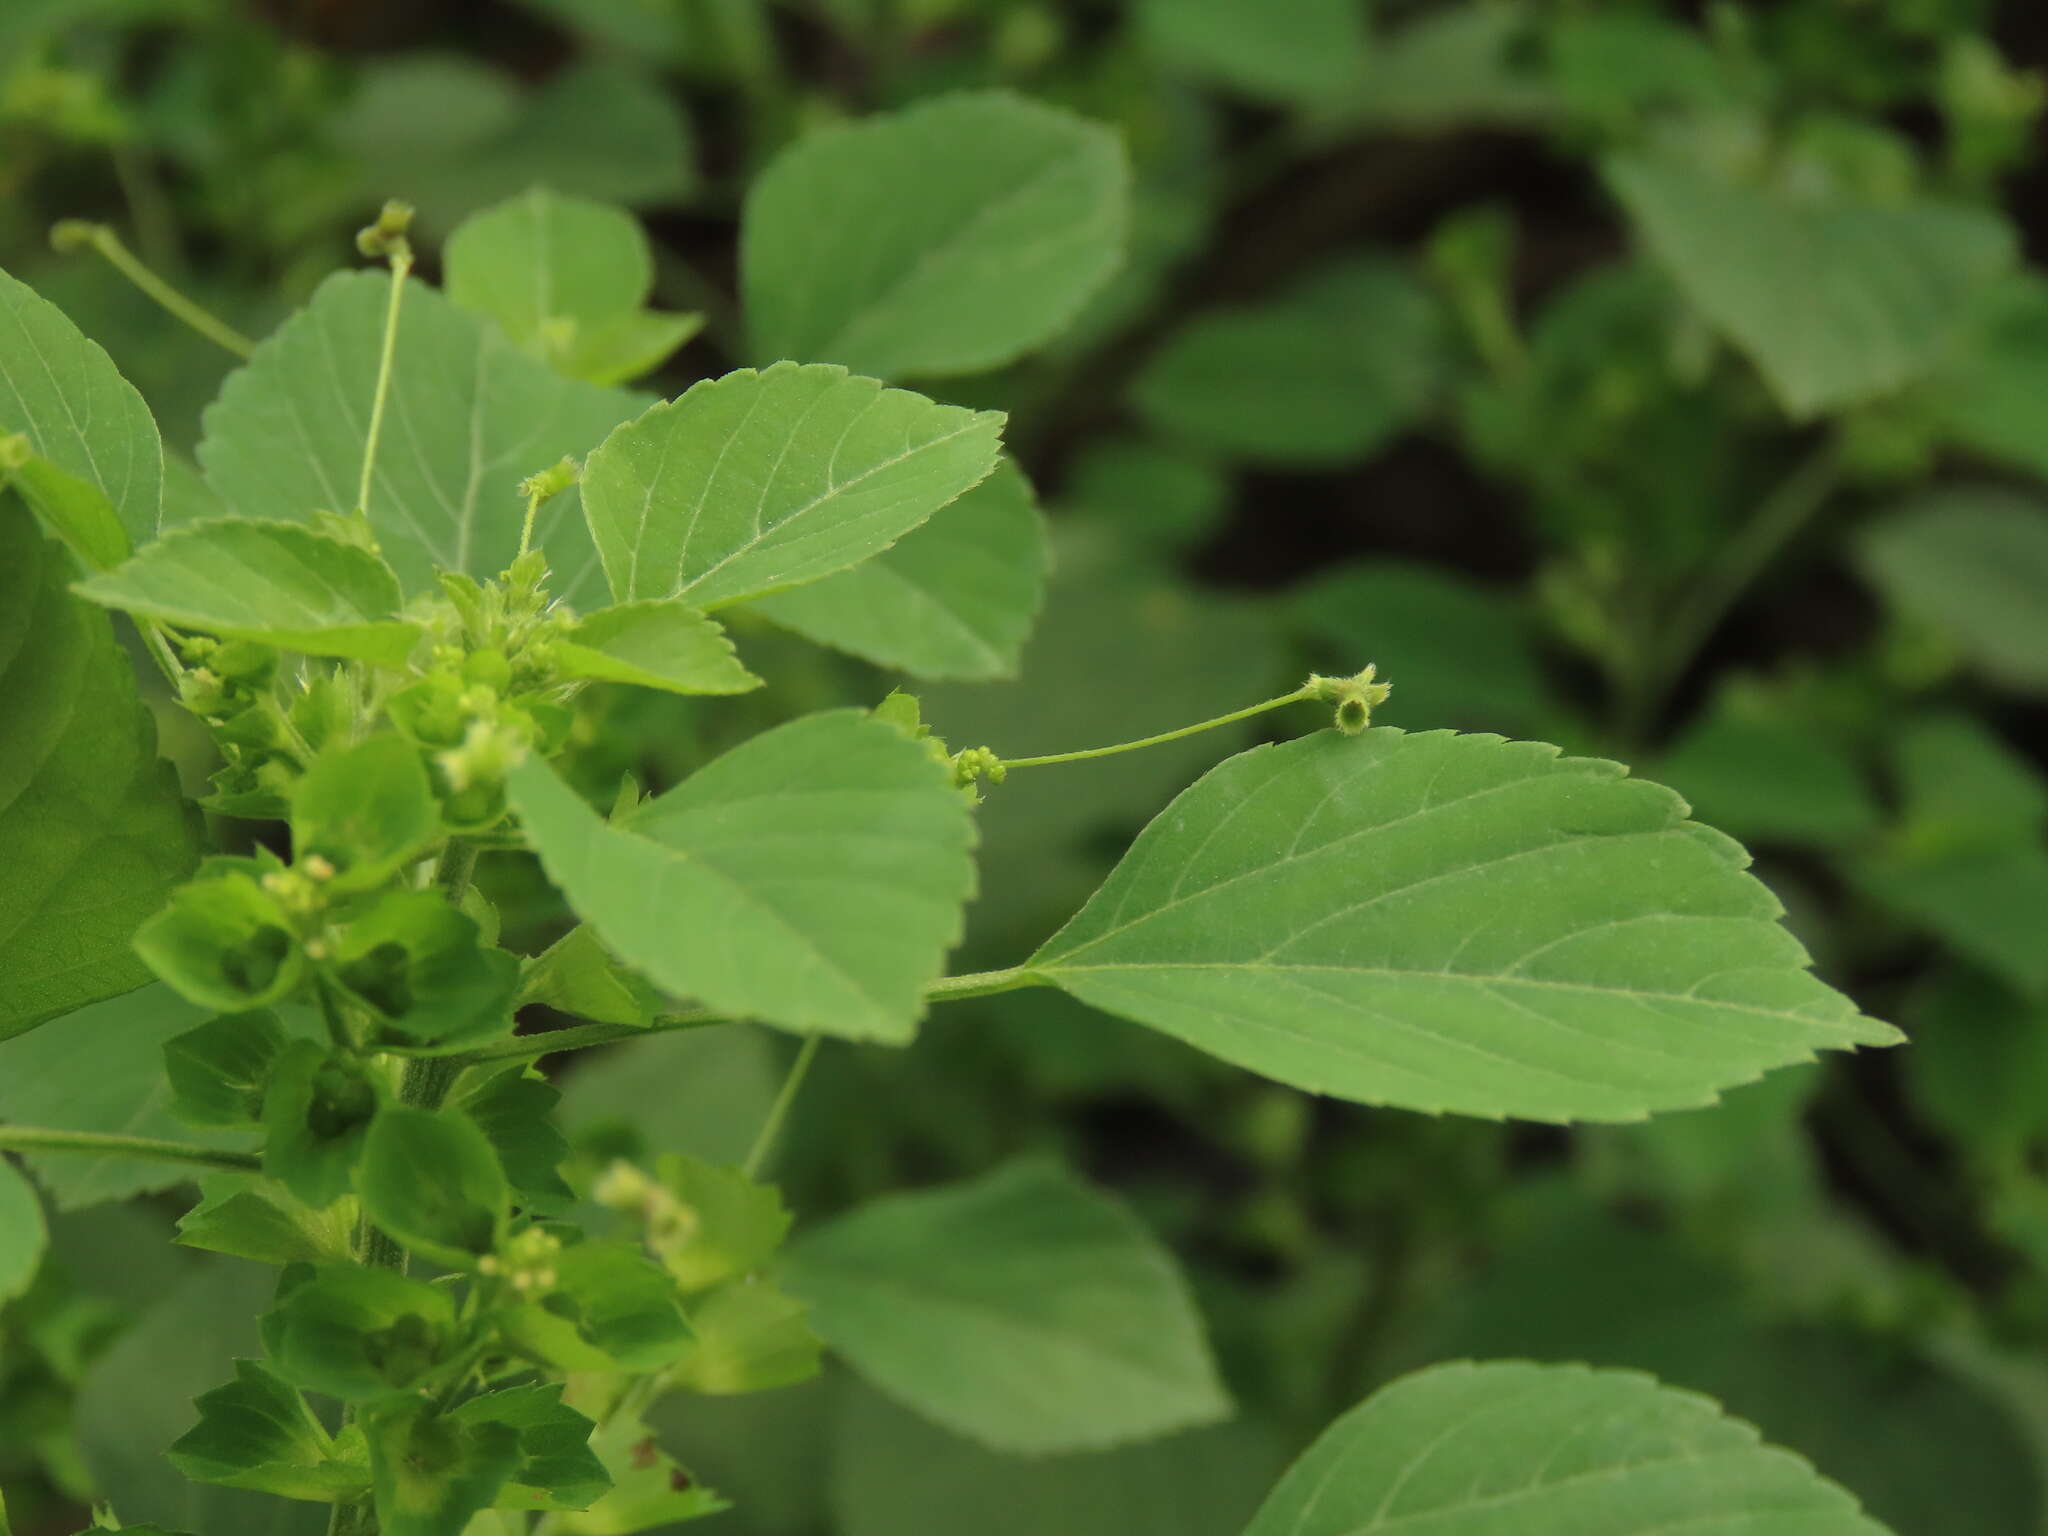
(764, 1143)
(1306, 691)
(157, 642)
(1788, 509)
(981, 984)
(582, 1036)
(427, 1079)
(401, 267)
(103, 239)
(30, 1138)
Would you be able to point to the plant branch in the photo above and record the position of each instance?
(72, 234)
(30, 1138)
(1306, 691)
(778, 1112)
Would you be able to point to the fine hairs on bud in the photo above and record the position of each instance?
(1355, 697)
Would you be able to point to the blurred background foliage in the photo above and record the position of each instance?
(1665, 380)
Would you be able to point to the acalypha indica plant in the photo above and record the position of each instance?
(424, 525)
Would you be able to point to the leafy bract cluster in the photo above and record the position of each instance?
(429, 524)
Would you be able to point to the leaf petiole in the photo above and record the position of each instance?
(30, 1138)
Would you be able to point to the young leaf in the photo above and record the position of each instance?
(747, 1337)
(75, 510)
(433, 1471)
(220, 1071)
(357, 1333)
(65, 395)
(578, 975)
(568, 280)
(812, 877)
(948, 238)
(720, 1226)
(23, 1235)
(1325, 374)
(952, 599)
(666, 644)
(515, 1111)
(316, 1115)
(1505, 1449)
(257, 1219)
(102, 1070)
(367, 808)
(93, 834)
(650, 1491)
(421, 968)
(434, 1182)
(258, 1433)
(1023, 1310)
(1900, 281)
(1452, 923)
(612, 1309)
(762, 480)
(276, 582)
(224, 944)
(469, 417)
(557, 1468)
(1973, 562)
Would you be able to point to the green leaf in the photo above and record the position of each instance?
(613, 1309)
(257, 1219)
(423, 971)
(433, 1181)
(812, 877)
(258, 1433)
(515, 1111)
(1764, 773)
(75, 510)
(1325, 374)
(661, 643)
(762, 480)
(952, 599)
(365, 807)
(358, 1333)
(716, 1224)
(93, 834)
(102, 1071)
(578, 975)
(557, 1468)
(649, 1489)
(1452, 923)
(469, 417)
(220, 1071)
(64, 394)
(316, 1115)
(1023, 1310)
(23, 1235)
(432, 1471)
(1988, 394)
(951, 237)
(276, 582)
(1900, 280)
(1286, 51)
(223, 943)
(747, 1337)
(1507, 1448)
(568, 280)
(1979, 1063)
(1972, 561)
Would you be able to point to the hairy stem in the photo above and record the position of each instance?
(30, 1138)
(1306, 691)
(103, 239)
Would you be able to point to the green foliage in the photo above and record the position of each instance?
(1295, 51)
(946, 239)
(759, 481)
(660, 643)
(258, 1433)
(23, 1236)
(1551, 940)
(1023, 1310)
(433, 1181)
(92, 834)
(1497, 1448)
(812, 878)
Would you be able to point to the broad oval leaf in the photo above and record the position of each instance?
(65, 395)
(432, 1180)
(812, 877)
(93, 833)
(761, 480)
(281, 583)
(948, 238)
(469, 417)
(1509, 1448)
(23, 1234)
(1900, 281)
(660, 643)
(1452, 923)
(953, 599)
(1023, 1310)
